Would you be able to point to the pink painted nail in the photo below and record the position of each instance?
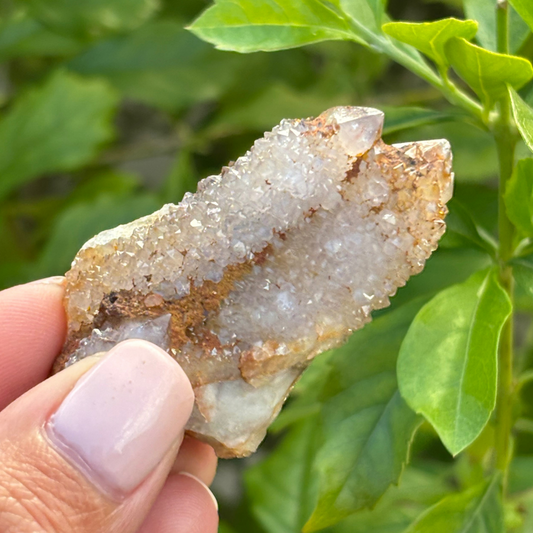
(123, 416)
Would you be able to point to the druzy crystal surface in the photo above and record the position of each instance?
(273, 261)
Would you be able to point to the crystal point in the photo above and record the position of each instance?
(270, 263)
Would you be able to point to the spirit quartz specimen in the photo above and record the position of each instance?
(275, 260)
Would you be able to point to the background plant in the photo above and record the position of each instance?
(424, 420)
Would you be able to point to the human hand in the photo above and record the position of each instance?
(94, 449)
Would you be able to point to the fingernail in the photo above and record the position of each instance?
(211, 495)
(54, 280)
(123, 415)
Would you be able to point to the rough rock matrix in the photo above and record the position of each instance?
(268, 264)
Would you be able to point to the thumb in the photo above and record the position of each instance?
(89, 449)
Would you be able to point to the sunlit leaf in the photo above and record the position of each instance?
(523, 115)
(247, 26)
(488, 73)
(252, 25)
(160, 64)
(58, 126)
(92, 18)
(519, 196)
(477, 510)
(367, 15)
(367, 426)
(430, 37)
(447, 367)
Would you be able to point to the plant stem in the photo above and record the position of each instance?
(450, 91)
(506, 142)
(506, 139)
(421, 68)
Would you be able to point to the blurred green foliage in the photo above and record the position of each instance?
(108, 109)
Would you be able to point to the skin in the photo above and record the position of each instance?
(42, 492)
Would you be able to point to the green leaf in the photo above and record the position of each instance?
(22, 36)
(523, 115)
(447, 367)
(401, 504)
(525, 10)
(523, 273)
(367, 15)
(367, 426)
(266, 25)
(488, 73)
(56, 127)
(519, 31)
(281, 487)
(478, 510)
(253, 25)
(459, 223)
(430, 37)
(482, 202)
(519, 197)
(160, 64)
(304, 400)
(92, 18)
(484, 11)
(367, 18)
(402, 118)
(281, 490)
(77, 224)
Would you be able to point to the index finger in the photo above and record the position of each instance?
(32, 332)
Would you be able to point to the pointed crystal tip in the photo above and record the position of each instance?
(359, 127)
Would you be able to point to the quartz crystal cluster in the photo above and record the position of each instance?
(275, 260)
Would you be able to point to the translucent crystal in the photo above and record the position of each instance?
(270, 263)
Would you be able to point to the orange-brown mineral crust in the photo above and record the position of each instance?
(275, 260)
